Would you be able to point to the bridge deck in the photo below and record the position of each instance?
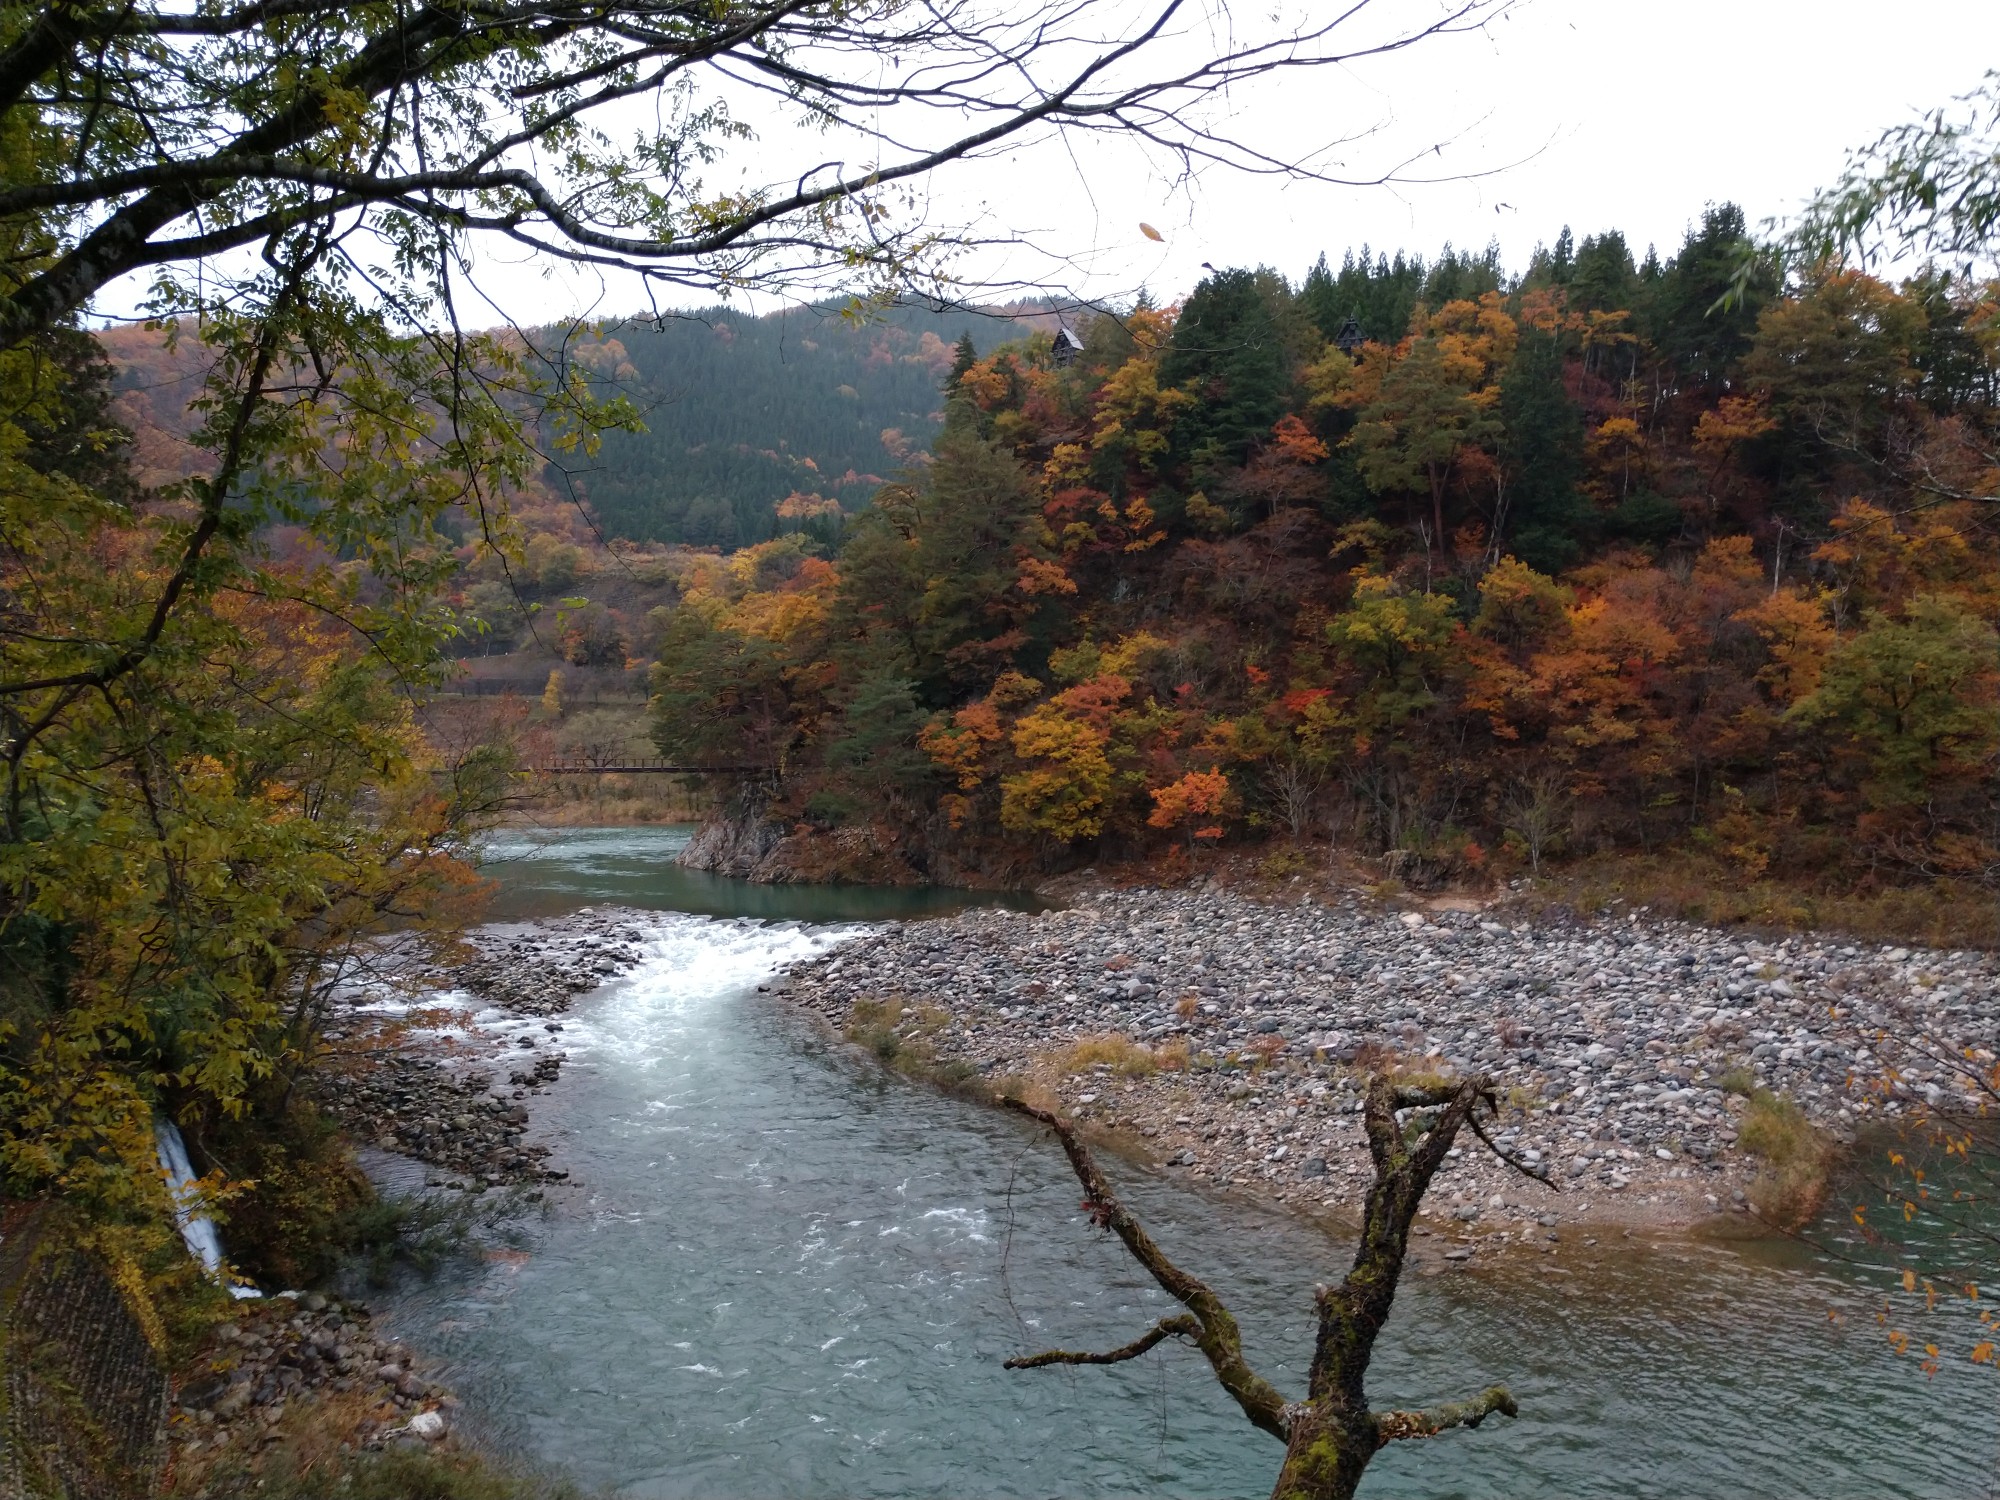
(639, 768)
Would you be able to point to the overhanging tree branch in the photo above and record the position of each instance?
(1216, 1333)
(1331, 1435)
(1182, 1326)
(508, 129)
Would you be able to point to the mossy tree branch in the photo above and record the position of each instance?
(1393, 1425)
(1183, 1326)
(1216, 1334)
(1332, 1434)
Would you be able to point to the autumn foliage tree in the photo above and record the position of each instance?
(1570, 563)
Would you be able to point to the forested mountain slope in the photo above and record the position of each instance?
(1589, 559)
(741, 413)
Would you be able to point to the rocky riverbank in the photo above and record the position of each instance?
(1227, 1037)
(415, 1071)
(447, 1079)
(287, 1352)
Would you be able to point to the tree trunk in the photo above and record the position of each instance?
(1328, 1453)
(1331, 1436)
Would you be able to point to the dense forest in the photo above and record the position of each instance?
(735, 416)
(1466, 567)
(743, 414)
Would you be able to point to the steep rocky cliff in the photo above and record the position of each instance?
(748, 838)
(753, 837)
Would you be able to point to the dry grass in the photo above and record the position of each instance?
(901, 1037)
(1696, 888)
(1122, 1055)
(1375, 1057)
(609, 801)
(1027, 1090)
(1266, 1049)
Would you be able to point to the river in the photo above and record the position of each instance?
(782, 1271)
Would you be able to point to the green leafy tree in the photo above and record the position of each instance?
(930, 575)
(1838, 360)
(1702, 312)
(1228, 349)
(494, 617)
(213, 788)
(1427, 409)
(874, 745)
(720, 698)
(963, 357)
(1604, 278)
(1916, 698)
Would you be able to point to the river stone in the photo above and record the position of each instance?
(427, 1425)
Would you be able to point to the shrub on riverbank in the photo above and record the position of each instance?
(1797, 1157)
(298, 1190)
(1693, 887)
(903, 1041)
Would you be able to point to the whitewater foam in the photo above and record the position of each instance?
(688, 963)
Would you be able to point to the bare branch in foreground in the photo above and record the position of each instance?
(1166, 1328)
(1331, 1435)
(1539, 1178)
(1216, 1333)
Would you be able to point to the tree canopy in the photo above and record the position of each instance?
(1580, 561)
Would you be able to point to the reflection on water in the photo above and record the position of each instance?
(548, 872)
(784, 1273)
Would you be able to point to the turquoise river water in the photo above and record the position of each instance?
(781, 1271)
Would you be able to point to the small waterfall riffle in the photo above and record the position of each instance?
(203, 1243)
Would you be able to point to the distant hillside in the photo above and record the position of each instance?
(151, 391)
(743, 412)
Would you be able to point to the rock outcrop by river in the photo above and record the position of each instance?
(1609, 1040)
(744, 838)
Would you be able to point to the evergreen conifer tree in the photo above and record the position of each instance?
(1543, 454)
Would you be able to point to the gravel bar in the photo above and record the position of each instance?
(1609, 1040)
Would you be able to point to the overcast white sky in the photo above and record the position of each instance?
(1597, 113)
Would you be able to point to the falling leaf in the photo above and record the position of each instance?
(1909, 1281)
(1151, 233)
